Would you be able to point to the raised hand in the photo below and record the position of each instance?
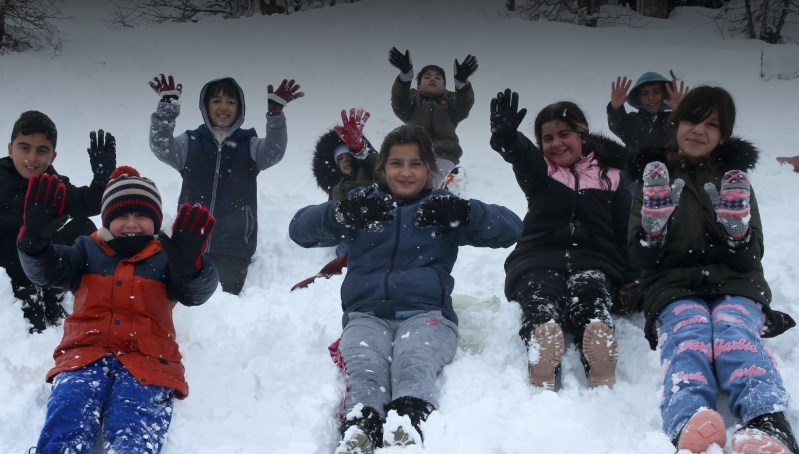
(286, 92)
(445, 212)
(365, 213)
(102, 155)
(351, 129)
(505, 119)
(465, 70)
(660, 199)
(618, 91)
(166, 88)
(190, 233)
(732, 203)
(399, 60)
(675, 94)
(44, 213)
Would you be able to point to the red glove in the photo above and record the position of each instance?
(285, 93)
(166, 88)
(351, 131)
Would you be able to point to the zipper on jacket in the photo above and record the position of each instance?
(397, 223)
(572, 227)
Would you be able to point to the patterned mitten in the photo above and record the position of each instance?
(659, 199)
(732, 203)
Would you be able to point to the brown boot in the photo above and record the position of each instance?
(601, 352)
(548, 342)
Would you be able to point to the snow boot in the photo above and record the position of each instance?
(767, 434)
(404, 416)
(703, 429)
(361, 435)
(601, 352)
(548, 342)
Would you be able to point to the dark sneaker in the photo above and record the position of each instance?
(767, 434)
(706, 427)
(361, 434)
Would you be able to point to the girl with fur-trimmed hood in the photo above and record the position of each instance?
(696, 234)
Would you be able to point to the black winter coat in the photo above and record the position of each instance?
(564, 229)
(695, 258)
(327, 174)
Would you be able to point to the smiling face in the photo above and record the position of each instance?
(344, 161)
(560, 143)
(431, 83)
(31, 154)
(406, 172)
(131, 224)
(651, 97)
(698, 140)
(223, 110)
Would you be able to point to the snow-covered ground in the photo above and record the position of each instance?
(260, 376)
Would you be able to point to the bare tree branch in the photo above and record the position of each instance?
(29, 24)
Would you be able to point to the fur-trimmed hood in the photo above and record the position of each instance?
(734, 154)
(606, 151)
(324, 167)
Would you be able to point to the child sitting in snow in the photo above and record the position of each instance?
(572, 254)
(432, 106)
(220, 162)
(400, 328)
(695, 232)
(118, 367)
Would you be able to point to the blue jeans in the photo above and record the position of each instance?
(711, 345)
(134, 418)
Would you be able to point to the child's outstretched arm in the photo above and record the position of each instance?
(270, 150)
(402, 100)
(168, 149)
(675, 94)
(618, 92)
(617, 115)
(87, 200)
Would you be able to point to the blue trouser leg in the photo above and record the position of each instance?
(686, 356)
(423, 345)
(366, 348)
(73, 410)
(743, 365)
(136, 417)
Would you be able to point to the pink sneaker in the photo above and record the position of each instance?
(706, 427)
(549, 343)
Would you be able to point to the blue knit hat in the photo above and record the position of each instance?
(129, 192)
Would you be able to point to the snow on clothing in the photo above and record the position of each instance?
(714, 342)
(695, 259)
(439, 115)
(387, 275)
(134, 418)
(326, 171)
(575, 221)
(220, 173)
(385, 359)
(123, 307)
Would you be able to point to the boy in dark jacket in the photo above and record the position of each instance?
(31, 152)
(117, 368)
(433, 107)
(220, 162)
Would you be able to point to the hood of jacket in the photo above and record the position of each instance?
(647, 78)
(204, 109)
(606, 151)
(734, 154)
(323, 164)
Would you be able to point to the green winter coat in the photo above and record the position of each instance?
(695, 258)
(439, 116)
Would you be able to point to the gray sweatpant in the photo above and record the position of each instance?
(388, 359)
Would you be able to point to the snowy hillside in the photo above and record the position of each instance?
(260, 375)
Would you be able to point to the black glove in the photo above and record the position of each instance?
(365, 213)
(102, 155)
(400, 61)
(505, 119)
(629, 299)
(190, 233)
(445, 212)
(44, 213)
(465, 70)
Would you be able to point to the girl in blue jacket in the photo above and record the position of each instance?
(400, 328)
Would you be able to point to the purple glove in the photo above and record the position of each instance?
(732, 203)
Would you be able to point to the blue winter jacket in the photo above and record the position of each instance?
(403, 271)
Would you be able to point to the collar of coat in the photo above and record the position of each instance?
(734, 154)
(607, 151)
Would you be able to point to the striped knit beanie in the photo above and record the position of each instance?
(129, 192)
